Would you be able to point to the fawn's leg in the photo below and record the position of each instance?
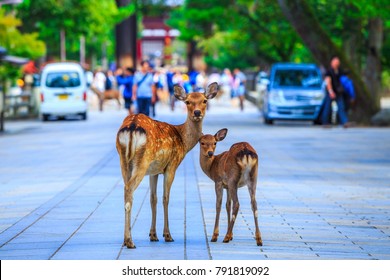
(252, 193)
(232, 188)
(219, 195)
(229, 209)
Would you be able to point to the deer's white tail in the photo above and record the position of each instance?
(132, 138)
(246, 159)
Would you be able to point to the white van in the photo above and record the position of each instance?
(63, 90)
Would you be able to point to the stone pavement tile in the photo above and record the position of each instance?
(345, 256)
(338, 247)
(106, 251)
(379, 256)
(31, 254)
(298, 253)
(26, 246)
(160, 250)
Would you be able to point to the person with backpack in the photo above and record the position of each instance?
(334, 92)
(144, 90)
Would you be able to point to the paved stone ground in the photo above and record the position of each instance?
(322, 193)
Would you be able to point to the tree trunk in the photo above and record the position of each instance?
(352, 38)
(191, 51)
(82, 50)
(302, 18)
(372, 72)
(63, 44)
(126, 39)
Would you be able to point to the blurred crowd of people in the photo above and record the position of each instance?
(142, 89)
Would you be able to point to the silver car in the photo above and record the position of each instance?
(295, 92)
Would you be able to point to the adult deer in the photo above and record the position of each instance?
(106, 95)
(149, 147)
(230, 170)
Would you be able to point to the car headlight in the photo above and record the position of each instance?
(318, 95)
(276, 96)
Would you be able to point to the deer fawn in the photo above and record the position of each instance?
(230, 170)
(149, 147)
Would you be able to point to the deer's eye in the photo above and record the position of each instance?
(188, 102)
(205, 101)
(215, 143)
(202, 143)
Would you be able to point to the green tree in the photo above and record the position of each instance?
(17, 44)
(93, 19)
(361, 23)
(239, 33)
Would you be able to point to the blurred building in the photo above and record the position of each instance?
(156, 41)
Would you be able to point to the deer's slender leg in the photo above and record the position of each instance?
(169, 175)
(153, 205)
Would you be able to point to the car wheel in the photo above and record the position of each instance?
(45, 117)
(268, 121)
(317, 121)
(84, 116)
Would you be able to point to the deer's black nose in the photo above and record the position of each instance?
(210, 153)
(197, 113)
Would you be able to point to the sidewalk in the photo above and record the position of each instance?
(322, 194)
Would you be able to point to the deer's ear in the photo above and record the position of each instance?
(179, 92)
(211, 90)
(221, 134)
(200, 137)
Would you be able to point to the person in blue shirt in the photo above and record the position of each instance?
(334, 92)
(127, 80)
(144, 90)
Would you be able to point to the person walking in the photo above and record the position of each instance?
(126, 80)
(144, 90)
(227, 82)
(170, 84)
(334, 92)
(239, 86)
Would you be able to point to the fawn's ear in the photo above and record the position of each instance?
(221, 134)
(200, 137)
(179, 92)
(211, 90)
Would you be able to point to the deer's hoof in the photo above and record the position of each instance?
(153, 237)
(168, 237)
(214, 238)
(129, 243)
(259, 242)
(227, 238)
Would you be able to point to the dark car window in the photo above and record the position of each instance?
(63, 79)
(307, 78)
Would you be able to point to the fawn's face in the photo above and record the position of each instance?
(208, 143)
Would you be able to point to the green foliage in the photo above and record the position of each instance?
(249, 33)
(238, 33)
(17, 43)
(94, 19)
(346, 23)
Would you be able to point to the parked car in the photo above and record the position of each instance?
(63, 91)
(295, 92)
